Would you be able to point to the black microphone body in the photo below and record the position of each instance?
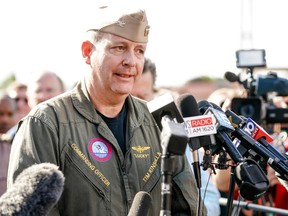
(35, 191)
(223, 128)
(141, 204)
(173, 141)
(260, 135)
(271, 156)
(189, 108)
(231, 77)
(249, 176)
(168, 119)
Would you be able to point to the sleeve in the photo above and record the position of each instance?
(35, 141)
(185, 193)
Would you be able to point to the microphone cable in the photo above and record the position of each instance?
(206, 186)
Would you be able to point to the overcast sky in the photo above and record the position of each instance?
(187, 38)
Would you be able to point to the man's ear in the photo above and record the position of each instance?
(86, 51)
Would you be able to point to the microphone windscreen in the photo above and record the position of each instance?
(231, 77)
(203, 106)
(164, 105)
(215, 106)
(187, 105)
(141, 204)
(35, 191)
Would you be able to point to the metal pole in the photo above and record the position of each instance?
(252, 206)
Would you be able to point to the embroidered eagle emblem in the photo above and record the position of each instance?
(140, 149)
(121, 23)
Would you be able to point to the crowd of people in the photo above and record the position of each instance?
(15, 103)
(101, 134)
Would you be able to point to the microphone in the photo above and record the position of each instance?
(173, 142)
(223, 127)
(35, 191)
(282, 181)
(259, 134)
(274, 158)
(231, 77)
(188, 108)
(209, 142)
(141, 204)
(168, 119)
(249, 176)
(164, 105)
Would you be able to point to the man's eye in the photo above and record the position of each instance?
(141, 51)
(120, 48)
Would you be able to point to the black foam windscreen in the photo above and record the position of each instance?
(164, 105)
(231, 77)
(141, 204)
(35, 191)
(251, 179)
(203, 106)
(187, 105)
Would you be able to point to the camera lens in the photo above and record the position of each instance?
(247, 110)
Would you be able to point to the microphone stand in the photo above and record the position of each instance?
(222, 159)
(167, 168)
(250, 187)
(231, 192)
(172, 133)
(197, 174)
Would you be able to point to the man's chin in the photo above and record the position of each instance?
(125, 91)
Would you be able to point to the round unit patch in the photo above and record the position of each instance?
(100, 149)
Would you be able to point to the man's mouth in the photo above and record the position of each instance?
(124, 75)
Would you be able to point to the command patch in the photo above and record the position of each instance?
(100, 149)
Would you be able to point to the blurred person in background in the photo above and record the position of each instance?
(202, 87)
(7, 121)
(7, 113)
(144, 87)
(44, 86)
(18, 91)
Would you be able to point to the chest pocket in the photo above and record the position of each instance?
(78, 162)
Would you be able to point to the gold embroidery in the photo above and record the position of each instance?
(152, 167)
(140, 149)
(89, 164)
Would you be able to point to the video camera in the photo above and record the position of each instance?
(258, 104)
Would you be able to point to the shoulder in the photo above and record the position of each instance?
(138, 102)
(139, 110)
(49, 112)
(138, 105)
(52, 105)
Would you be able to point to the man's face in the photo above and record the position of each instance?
(143, 87)
(116, 64)
(46, 87)
(7, 115)
(20, 97)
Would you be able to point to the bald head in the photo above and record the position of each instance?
(43, 87)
